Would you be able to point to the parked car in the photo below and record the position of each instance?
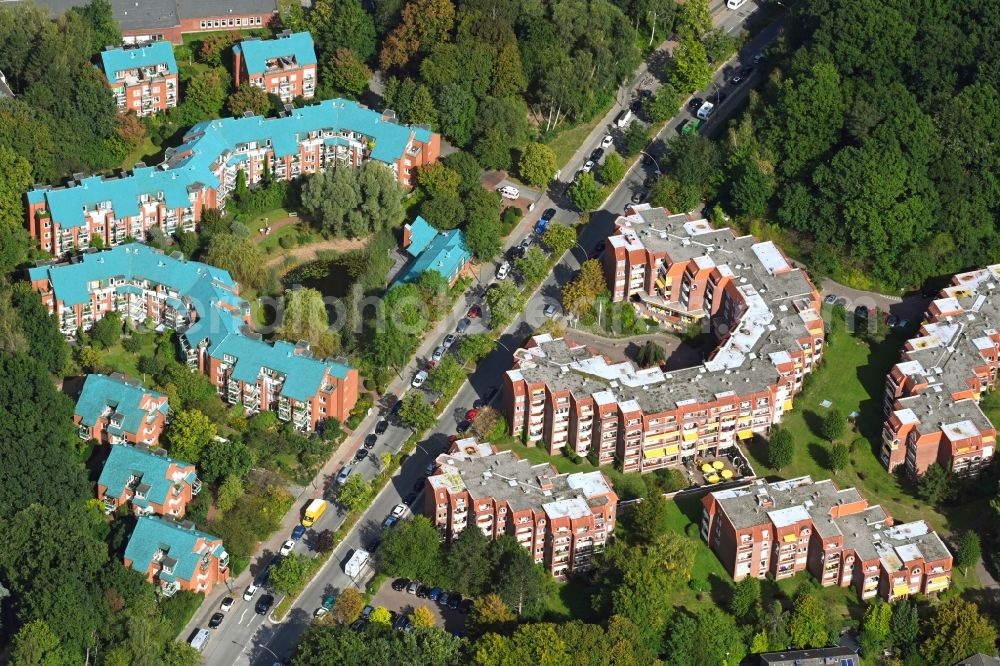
(549, 213)
(264, 604)
(249, 592)
(695, 104)
(418, 485)
(287, 547)
(412, 587)
(474, 312)
(400, 584)
(381, 427)
(706, 110)
(390, 521)
(550, 310)
(423, 591)
(471, 414)
(360, 455)
(343, 475)
(503, 271)
(463, 427)
(830, 299)
(370, 440)
(298, 532)
(596, 154)
(525, 243)
(396, 406)
(431, 466)
(226, 604)
(509, 192)
(439, 352)
(398, 511)
(638, 196)
(449, 340)
(463, 325)
(454, 600)
(410, 499)
(419, 379)
(737, 78)
(442, 600)
(490, 392)
(607, 141)
(216, 620)
(435, 594)
(757, 57)
(358, 624)
(861, 312)
(588, 166)
(366, 611)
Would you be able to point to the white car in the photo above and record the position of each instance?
(509, 192)
(503, 271)
(287, 547)
(419, 379)
(607, 141)
(250, 591)
(226, 605)
(398, 511)
(449, 340)
(320, 612)
(588, 166)
(706, 110)
(439, 352)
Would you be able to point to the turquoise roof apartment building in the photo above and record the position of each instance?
(201, 172)
(284, 66)
(115, 409)
(433, 250)
(203, 305)
(148, 480)
(142, 79)
(175, 556)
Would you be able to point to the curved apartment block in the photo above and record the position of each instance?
(764, 311)
(932, 395)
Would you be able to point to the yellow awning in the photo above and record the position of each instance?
(660, 283)
(989, 438)
(963, 449)
(788, 405)
(940, 580)
(690, 435)
(672, 449)
(900, 589)
(653, 453)
(789, 538)
(744, 434)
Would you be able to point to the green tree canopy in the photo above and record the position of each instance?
(354, 202)
(537, 165)
(412, 549)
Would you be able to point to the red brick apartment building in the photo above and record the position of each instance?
(932, 395)
(213, 324)
(202, 172)
(114, 409)
(786, 527)
(143, 79)
(284, 66)
(175, 556)
(764, 312)
(147, 480)
(561, 519)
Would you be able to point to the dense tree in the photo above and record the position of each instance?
(48, 346)
(505, 302)
(444, 212)
(289, 575)
(968, 552)
(446, 377)
(416, 412)
(745, 602)
(475, 347)
(456, 114)
(559, 238)
(520, 582)
(305, 317)
(807, 626)
(239, 255)
(780, 448)
(17, 180)
(107, 331)
(348, 606)
(537, 164)
(354, 202)
(651, 354)
(840, 457)
(349, 75)
(533, 266)
(935, 484)
(380, 615)
(342, 24)
(690, 70)
(709, 638)
(220, 460)
(356, 493)
(586, 194)
(411, 549)
(648, 519)
(956, 630)
(904, 627)
(508, 72)
(438, 180)
(189, 433)
(875, 627)
(37, 645)
(424, 23)
(490, 614)
(694, 19)
(482, 235)
(833, 423)
(468, 562)
(613, 169)
(248, 98)
(580, 295)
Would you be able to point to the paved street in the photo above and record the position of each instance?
(247, 638)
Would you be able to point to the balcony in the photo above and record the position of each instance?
(169, 588)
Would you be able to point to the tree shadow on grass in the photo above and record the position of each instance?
(814, 421)
(722, 590)
(820, 453)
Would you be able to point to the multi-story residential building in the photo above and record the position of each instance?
(443, 251)
(932, 395)
(143, 79)
(142, 21)
(788, 526)
(148, 480)
(284, 66)
(828, 656)
(201, 172)
(175, 556)
(764, 311)
(116, 409)
(202, 304)
(561, 519)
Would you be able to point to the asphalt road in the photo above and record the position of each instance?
(247, 638)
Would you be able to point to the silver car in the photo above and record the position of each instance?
(439, 352)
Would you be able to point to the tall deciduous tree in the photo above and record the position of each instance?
(248, 97)
(955, 630)
(537, 165)
(968, 552)
(559, 238)
(354, 202)
(416, 412)
(808, 622)
(305, 318)
(780, 448)
(348, 74)
(189, 432)
(424, 23)
(239, 255)
(411, 549)
(586, 194)
(342, 24)
(348, 606)
(690, 70)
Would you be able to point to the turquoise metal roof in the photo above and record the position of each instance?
(126, 461)
(118, 60)
(421, 234)
(257, 52)
(212, 293)
(446, 254)
(101, 392)
(152, 534)
(191, 166)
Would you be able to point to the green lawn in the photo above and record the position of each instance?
(119, 360)
(146, 152)
(565, 143)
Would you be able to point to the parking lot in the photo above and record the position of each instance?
(404, 603)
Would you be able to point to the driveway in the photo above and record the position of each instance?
(404, 603)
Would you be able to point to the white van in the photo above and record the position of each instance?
(705, 110)
(735, 4)
(623, 118)
(199, 639)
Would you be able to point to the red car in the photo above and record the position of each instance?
(471, 414)
(474, 311)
